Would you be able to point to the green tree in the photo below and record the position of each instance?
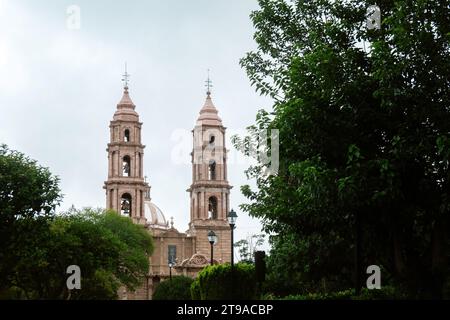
(110, 250)
(27, 191)
(247, 247)
(38, 246)
(364, 129)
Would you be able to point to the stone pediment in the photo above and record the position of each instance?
(172, 232)
(196, 261)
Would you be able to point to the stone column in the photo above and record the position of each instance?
(161, 260)
(119, 164)
(202, 207)
(118, 200)
(224, 206)
(141, 158)
(192, 207)
(138, 204)
(109, 164)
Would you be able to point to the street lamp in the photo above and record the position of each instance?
(212, 240)
(232, 216)
(170, 270)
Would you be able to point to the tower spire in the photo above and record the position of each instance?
(125, 78)
(125, 102)
(208, 85)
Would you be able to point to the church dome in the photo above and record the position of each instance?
(155, 216)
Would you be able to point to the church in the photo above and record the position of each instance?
(128, 193)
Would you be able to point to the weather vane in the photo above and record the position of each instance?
(208, 85)
(126, 77)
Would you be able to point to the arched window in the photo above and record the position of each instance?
(211, 145)
(125, 205)
(126, 135)
(212, 208)
(212, 170)
(126, 166)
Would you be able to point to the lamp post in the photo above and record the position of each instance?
(232, 216)
(170, 270)
(212, 240)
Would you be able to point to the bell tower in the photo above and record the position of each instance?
(210, 190)
(126, 188)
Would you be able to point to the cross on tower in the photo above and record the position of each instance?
(126, 77)
(208, 85)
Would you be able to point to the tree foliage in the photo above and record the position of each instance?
(38, 245)
(110, 250)
(222, 282)
(28, 191)
(247, 247)
(178, 288)
(364, 127)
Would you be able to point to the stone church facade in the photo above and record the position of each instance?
(128, 193)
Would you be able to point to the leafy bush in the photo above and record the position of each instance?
(195, 290)
(176, 289)
(220, 282)
(385, 293)
(12, 293)
(268, 296)
(339, 295)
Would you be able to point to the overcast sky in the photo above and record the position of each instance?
(59, 89)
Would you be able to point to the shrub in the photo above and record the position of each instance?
(195, 290)
(385, 293)
(217, 282)
(176, 289)
(339, 295)
(268, 296)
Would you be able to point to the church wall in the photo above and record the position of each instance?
(160, 258)
(159, 268)
(221, 249)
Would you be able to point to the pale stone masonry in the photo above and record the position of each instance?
(125, 162)
(128, 193)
